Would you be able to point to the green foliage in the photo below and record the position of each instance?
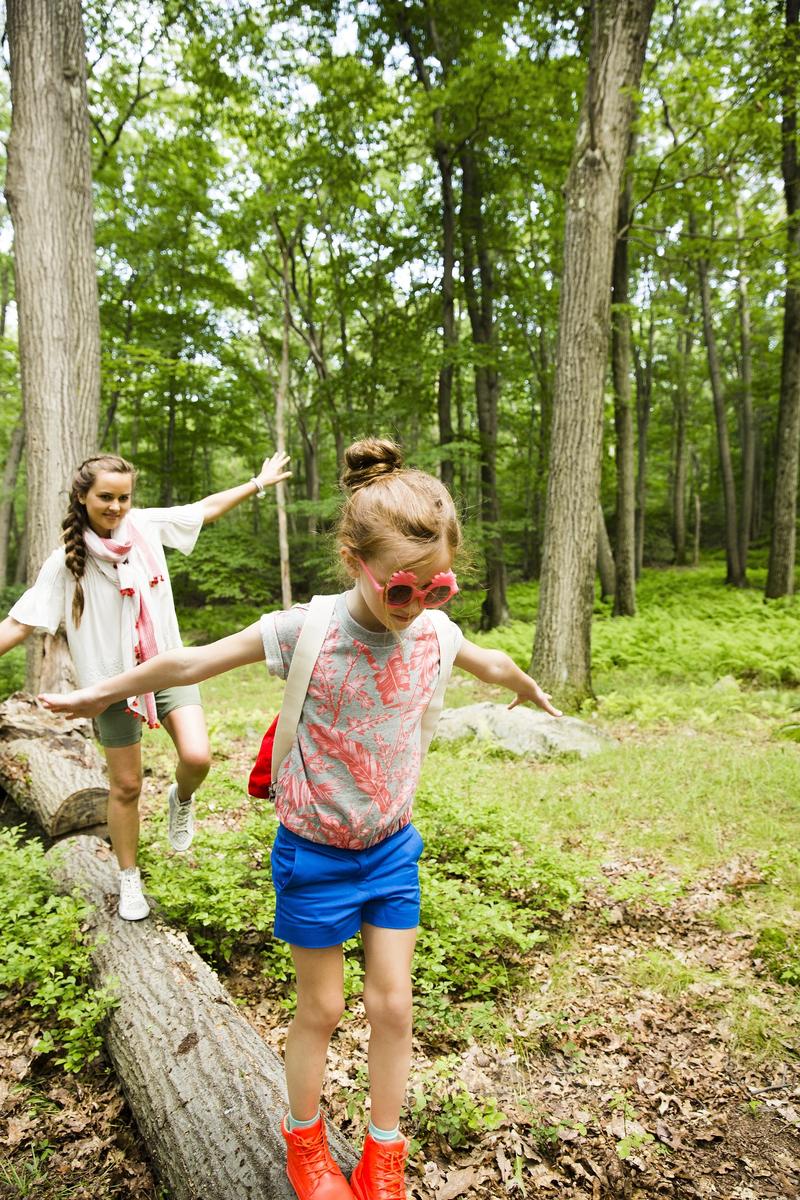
(779, 947)
(442, 1107)
(27, 1177)
(220, 892)
(46, 955)
(696, 651)
(12, 671)
(209, 623)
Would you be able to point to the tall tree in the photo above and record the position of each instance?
(736, 568)
(625, 549)
(48, 188)
(780, 576)
(562, 648)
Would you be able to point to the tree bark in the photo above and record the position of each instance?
(51, 767)
(644, 398)
(444, 161)
(478, 275)
(562, 649)
(697, 508)
(680, 409)
(746, 408)
(735, 575)
(207, 1094)
(606, 568)
(8, 485)
(780, 574)
(48, 188)
(625, 556)
(280, 429)
(444, 394)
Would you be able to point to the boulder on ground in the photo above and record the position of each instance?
(527, 732)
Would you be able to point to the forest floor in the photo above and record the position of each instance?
(650, 1047)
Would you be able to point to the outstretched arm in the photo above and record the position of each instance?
(171, 669)
(493, 666)
(12, 633)
(272, 472)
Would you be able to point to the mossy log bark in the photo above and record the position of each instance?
(206, 1092)
(50, 767)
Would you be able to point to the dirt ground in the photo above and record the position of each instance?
(607, 1088)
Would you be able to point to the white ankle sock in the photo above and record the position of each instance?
(291, 1123)
(384, 1135)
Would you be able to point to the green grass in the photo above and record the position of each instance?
(699, 689)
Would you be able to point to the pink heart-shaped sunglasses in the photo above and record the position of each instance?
(401, 588)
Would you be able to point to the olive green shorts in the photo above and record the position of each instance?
(116, 727)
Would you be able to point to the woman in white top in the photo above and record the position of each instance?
(110, 587)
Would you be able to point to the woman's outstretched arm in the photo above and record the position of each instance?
(273, 470)
(12, 633)
(171, 669)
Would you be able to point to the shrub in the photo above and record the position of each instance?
(46, 955)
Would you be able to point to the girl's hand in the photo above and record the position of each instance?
(536, 696)
(83, 703)
(272, 470)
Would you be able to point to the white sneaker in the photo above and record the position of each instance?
(181, 820)
(132, 904)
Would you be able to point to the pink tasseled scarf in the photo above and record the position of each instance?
(136, 567)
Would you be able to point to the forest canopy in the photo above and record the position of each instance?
(408, 174)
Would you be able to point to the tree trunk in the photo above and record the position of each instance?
(697, 508)
(746, 409)
(736, 575)
(625, 556)
(280, 428)
(606, 568)
(780, 575)
(758, 480)
(478, 276)
(562, 649)
(48, 188)
(50, 767)
(680, 408)
(7, 495)
(644, 398)
(543, 447)
(444, 160)
(207, 1094)
(444, 395)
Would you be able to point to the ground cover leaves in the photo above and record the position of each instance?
(635, 1036)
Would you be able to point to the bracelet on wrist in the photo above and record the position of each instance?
(260, 491)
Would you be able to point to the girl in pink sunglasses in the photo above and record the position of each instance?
(345, 856)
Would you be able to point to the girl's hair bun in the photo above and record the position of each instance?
(368, 460)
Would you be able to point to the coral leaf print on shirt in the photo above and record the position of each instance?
(364, 768)
(394, 677)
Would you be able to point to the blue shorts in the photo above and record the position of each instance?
(324, 893)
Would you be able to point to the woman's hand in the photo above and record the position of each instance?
(273, 470)
(83, 703)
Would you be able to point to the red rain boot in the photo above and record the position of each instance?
(312, 1172)
(380, 1174)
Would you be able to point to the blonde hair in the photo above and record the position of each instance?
(75, 521)
(390, 508)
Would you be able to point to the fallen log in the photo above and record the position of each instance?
(50, 767)
(206, 1092)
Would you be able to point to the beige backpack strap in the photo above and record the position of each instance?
(450, 639)
(304, 659)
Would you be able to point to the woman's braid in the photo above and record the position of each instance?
(73, 526)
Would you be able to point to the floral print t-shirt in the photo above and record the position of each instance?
(351, 775)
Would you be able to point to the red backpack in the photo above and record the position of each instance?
(277, 741)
